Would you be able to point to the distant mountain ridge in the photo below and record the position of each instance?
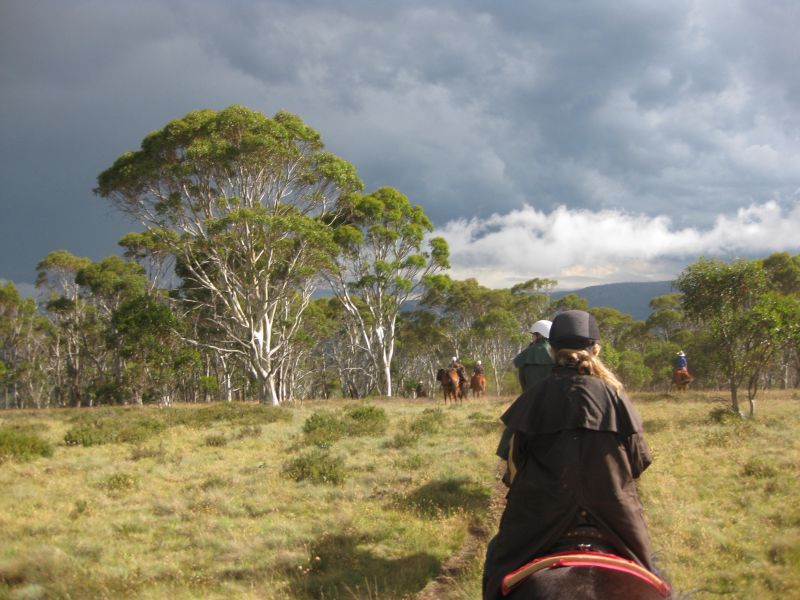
(632, 298)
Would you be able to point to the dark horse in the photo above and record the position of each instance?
(450, 384)
(582, 564)
(590, 582)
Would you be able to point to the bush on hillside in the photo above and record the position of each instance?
(323, 428)
(365, 420)
(122, 427)
(429, 421)
(22, 444)
(316, 466)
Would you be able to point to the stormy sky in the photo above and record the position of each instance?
(588, 142)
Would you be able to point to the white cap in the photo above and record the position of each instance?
(541, 327)
(455, 358)
(479, 362)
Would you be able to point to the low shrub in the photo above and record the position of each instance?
(236, 413)
(365, 420)
(316, 466)
(723, 415)
(122, 427)
(249, 431)
(401, 439)
(21, 444)
(323, 428)
(429, 421)
(216, 440)
(757, 468)
(215, 481)
(119, 482)
(158, 454)
(483, 423)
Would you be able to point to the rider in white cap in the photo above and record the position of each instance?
(535, 362)
(459, 367)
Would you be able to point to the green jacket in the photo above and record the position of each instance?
(533, 364)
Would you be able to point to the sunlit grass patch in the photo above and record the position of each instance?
(719, 492)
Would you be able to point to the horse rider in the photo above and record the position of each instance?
(533, 365)
(680, 369)
(681, 363)
(577, 446)
(478, 369)
(462, 373)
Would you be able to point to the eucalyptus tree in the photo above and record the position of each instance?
(348, 354)
(568, 302)
(666, 318)
(530, 300)
(459, 303)
(72, 324)
(783, 272)
(24, 345)
(148, 249)
(145, 332)
(616, 326)
(384, 260)
(500, 338)
(421, 343)
(748, 322)
(236, 197)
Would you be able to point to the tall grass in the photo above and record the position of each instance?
(341, 500)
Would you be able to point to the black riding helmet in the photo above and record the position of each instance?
(574, 329)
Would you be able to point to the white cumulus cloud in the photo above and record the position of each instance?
(579, 247)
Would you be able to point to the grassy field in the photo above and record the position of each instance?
(331, 500)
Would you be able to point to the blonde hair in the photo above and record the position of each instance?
(588, 362)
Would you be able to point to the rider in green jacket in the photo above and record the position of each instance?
(535, 362)
(533, 365)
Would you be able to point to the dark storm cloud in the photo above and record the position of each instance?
(679, 113)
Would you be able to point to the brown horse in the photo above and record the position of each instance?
(450, 384)
(681, 378)
(478, 385)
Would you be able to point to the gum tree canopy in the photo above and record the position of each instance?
(384, 260)
(237, 198)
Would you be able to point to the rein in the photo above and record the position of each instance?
(584, 559)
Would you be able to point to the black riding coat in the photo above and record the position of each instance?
(578, 447)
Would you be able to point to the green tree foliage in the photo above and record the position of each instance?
(500, 337)
(384, 259)
(236, 197)
(144, 331)
(23, 351)
(748, 322)
(569, 302)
